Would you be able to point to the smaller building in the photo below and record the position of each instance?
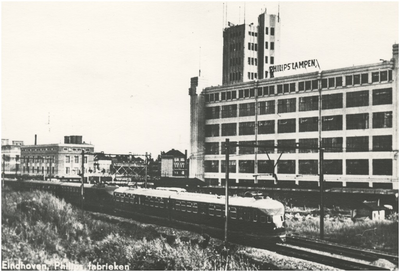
(370, 209)
(174, 164)
(11, 154)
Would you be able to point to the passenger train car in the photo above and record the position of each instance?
(250, 219)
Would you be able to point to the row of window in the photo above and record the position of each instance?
(308, 124)
(39, 170)
(305, 167)
(309, 145)
(326, 83)
(235, 61)
(38, 159)
(252, 46)
(235, 46)
(193, 207)
(309, 103)
(252, 61)
(52, 148)
(76, 159)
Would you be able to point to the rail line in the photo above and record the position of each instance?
(335, 255)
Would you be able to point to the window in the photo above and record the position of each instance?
(247, 109)
(272, 90)
(331, 82)
(332, 101)
(333, 167)
(266, 31)
(232, 148)
(229, 111)
(268, 146)
(308, 145)
(85, 159)
(332, 144)
(285, 88)
(267, 107)
(292, 87)
(339, 82)
(272, 31)
(349, 80)
(364, 78)
(212, 112)
(229, 129)
(308, 85)
(301, 86)
(357, 144)
(384, 76)
(260, 91)
(246, 166)
(357, 121)
(334, 122)
(76, 159)
(265, 166)
(382, 167)
(246, 149)
(375, 77)
(240, 93)
(246, 128)
(272, 48)
(233, 212)
(287, 146)
(232, 166)
(382, 119)
(212, 130)
(286, 167)
(308, 124)
(286, 125)
(357, 99)
(357, 167)
(211, 166)
(211, 148)
(266, 127)
(280, 88)
(382, 96)
(67, 159)
(324, 83)
(308, 103)
(382, 143)
(67, 170)
(272, 62)
(308, 167)
(356, 79)
(286, 105)
(266, 58)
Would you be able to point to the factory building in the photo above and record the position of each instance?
(57, 160)
(11, 154)
(357, 124)
(250, 50)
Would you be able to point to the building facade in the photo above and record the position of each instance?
(249, 50)
(356, 125)
(56, 160)
(11, 154)
(174, 164)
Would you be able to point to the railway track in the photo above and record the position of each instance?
(335, 255)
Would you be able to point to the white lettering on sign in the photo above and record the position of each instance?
(294, 65)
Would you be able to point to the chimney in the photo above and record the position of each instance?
(35, 139)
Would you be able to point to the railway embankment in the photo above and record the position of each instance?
(40, 231)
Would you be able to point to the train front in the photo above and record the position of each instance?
(275, 212)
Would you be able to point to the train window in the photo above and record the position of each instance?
(233, 212)
(183, 206)
(246, 215)
(211, 210)
(255, 216)
(194, 207)
(263, 219)
(178, 205)
(218, 210)
(240, 213)
(189, 206)
(269, 219)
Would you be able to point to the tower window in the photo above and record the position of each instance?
(266, 31)
(272, 46)
(272, 31)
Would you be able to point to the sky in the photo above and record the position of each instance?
(118, 73)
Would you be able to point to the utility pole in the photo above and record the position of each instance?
(83, 176)
(226, 188)
(145, 173)
(321, 160)
(3, 173)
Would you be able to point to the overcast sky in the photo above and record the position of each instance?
(118, 73)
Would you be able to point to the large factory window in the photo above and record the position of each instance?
(375, 77)
(308, 124)
(287, 146)
(331, 82)
(301, 86)
(382, 167)
(357, 99)
(333, 167)
(247, 109)
(212, 112)
(268, 147)
(232, 166)
(308, 167)
(339, 82)
(334, 122)
(229, 111)
(333, 144)
(349, 80)
(286, 125)
(364, 78)
(287, 167)
(382, 96)
(232, 148)
(212, 130)
(384, 76)
(324, 83)
(211, 166)
(211, 148)
(265, 166)
(332, 101)
(246, 166)
(356, 79)
(308, 103)
(357, 167)
(382, 143)
(357, 144)
(246, 128)
(246, 149)
(272, 90)
(357, 121)
(286, 105)
(308, 145)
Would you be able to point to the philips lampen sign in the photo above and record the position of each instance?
(295, 66)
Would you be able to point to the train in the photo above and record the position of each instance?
(256, 219)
